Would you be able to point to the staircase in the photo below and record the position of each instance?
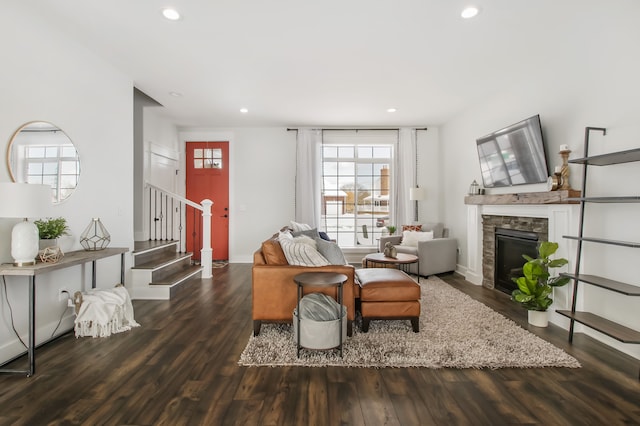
(160, 269)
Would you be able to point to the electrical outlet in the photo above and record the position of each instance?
(63, 294)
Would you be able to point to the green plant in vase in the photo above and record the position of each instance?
(52, 229)
(536, 286)
(391, 229)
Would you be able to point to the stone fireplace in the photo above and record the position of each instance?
(548, 214)
(516, 233)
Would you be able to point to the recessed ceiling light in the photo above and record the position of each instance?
(244, 110)
(469, 12)
(391, 110)
(175, 94)
(171, 14)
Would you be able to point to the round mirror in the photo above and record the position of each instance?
(39, 152)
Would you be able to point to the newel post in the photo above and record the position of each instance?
(206, 252)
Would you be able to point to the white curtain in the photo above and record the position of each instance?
(308, 176)
(405, 162)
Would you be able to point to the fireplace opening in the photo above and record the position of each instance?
(510, 245)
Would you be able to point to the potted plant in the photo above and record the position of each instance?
(392, 229)
(49, 230)
(535, 287)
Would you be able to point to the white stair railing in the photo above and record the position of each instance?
(167, 214)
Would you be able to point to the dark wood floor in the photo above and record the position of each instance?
(180, 367)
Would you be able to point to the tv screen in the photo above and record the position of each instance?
(514, 155)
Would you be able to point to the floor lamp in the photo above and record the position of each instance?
(24, 200)
(417, 194)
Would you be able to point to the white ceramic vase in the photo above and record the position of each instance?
(539, 318)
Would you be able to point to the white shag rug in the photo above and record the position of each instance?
(456, 331)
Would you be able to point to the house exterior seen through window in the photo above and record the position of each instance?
(357, 191)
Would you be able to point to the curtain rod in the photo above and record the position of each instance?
(396, 128)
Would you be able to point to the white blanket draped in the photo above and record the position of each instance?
(105, 311)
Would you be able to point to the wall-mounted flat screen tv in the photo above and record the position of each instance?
(514, 155)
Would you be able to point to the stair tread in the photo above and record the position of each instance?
(145, 246)
(178, 276)
(163, 260)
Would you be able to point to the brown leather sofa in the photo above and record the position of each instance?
(274, 293)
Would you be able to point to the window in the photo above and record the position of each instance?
(357, 191)
(55, 165)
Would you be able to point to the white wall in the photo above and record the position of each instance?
(46, 76)
(594, 83)
(261, 183)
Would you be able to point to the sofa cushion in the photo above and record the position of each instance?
(301, 254)
(407, 250)
(273, 254)
(311, 233)
(331, 251)
(296, 227)
(304, 239)
(411, 238)
(411, 228)
(436, 227)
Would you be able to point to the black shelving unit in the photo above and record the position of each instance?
(603, 325)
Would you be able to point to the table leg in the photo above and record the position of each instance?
(340, 316)
(32, 326)
(122, 268)
(298, 312)
(93, 274)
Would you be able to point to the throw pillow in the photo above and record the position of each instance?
(273, 253)
(299, 226)
(411, 228)
(311, 233)
(411, 238)
(302, 254)
(324, 236)
(284, 236)
(303, 239)
(331, 251)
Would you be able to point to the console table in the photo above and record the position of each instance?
(70, 259)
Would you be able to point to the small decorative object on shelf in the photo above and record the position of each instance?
(51, 254)
(95, 236)
(474, 188)
(390, 250)
(564, 170)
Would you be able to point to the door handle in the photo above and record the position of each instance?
(226, 215)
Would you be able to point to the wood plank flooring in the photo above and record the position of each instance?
(180, 368)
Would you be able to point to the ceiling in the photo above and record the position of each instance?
(329, 63)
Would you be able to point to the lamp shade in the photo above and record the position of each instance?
(24, 200)
(417, 194)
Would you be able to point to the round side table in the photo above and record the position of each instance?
(402, 261)
(320, 279)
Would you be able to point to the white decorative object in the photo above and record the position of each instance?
(24, 200)
(539, 318)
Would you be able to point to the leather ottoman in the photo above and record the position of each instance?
(388, 294)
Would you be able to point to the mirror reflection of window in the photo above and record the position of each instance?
(41, 153)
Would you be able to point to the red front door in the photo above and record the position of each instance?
(208, 178)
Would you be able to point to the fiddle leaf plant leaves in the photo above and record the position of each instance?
(535, 287)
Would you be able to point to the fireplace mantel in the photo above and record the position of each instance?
(562, 196)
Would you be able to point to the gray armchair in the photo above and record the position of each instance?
(434, 256)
